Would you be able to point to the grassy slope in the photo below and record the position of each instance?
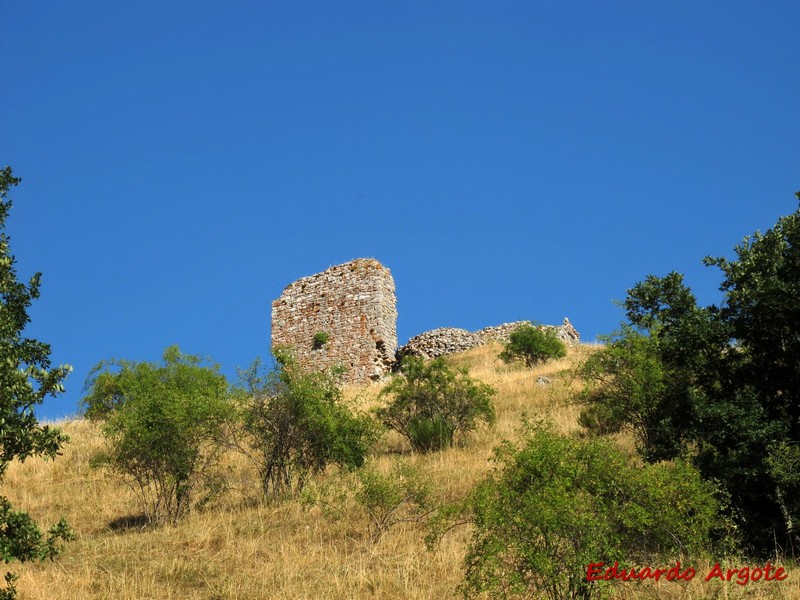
(239, 549)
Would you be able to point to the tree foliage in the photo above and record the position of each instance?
(533, 345)
(627, 386)
(431, 403)
(554, 504)
(294, 423)
(164, 424)
(26, 379)
(719, 382)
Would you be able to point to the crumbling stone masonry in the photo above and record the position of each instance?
(448, 340)
(345, 316)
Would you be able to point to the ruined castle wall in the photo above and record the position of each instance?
(355, 305)
(448, 340)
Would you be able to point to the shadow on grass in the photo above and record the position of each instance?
(129, 523)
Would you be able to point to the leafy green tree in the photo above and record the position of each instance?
(294, 423)
(533, 345)
(721, 383)
(164, 424)
(431, 403)
(741, 434)
(555, 504)
(26, 379)
(628, 385)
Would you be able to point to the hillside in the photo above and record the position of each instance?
(238, 548)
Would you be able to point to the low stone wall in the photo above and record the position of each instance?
(500, 333)
(448, 340)
(438, 342)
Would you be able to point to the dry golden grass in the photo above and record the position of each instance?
(239, 549)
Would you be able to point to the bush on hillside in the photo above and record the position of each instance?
(294, 423)
(400, 496)
(625, 386)
(431, 403)
(164, 424)
(555, 504)
(533, 345)
(385, 498)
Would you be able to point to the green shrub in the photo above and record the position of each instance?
(294, 423)
(320, 339)
(400, 496)
(626, 385)
(428, 434)
(386, 499)
(164, 424)
(533, 345)
(555, 504)
(432, 403)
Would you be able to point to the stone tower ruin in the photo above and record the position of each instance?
(345, 317)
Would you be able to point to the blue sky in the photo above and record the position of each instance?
(183, 162)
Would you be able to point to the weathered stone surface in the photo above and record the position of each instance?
(500, 333)
(355, 305)
(438, 342)
(448, 340)
(566, 332)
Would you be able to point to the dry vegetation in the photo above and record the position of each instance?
(239, 548)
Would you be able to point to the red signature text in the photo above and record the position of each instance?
(743, 575)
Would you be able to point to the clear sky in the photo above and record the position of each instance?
(184, 161)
